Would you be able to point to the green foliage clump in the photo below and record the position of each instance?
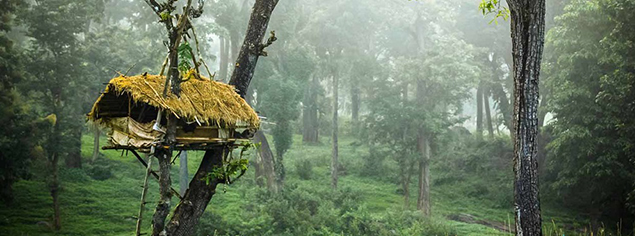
(478, 168)
(310, 210)
(590, 73)
(304, 168)
(99, 170)
(17, 137)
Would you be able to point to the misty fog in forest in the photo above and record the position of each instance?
(330, 117)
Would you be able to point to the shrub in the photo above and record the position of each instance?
(304, 168)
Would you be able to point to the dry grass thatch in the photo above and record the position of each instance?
(202, 100)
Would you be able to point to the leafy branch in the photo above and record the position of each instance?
(494, 7)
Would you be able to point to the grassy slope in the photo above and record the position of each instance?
(109, 207)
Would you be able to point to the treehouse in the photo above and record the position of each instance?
(209, 113)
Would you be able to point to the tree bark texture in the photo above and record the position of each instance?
(252, 46)
(334, 156)
(527, 28)
(199, 194)
(163, 207)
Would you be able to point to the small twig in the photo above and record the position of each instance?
(242, 172)
(270, 40)
(198, 51)
(130, 69)
(165, 63)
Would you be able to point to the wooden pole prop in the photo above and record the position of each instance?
(143, 196)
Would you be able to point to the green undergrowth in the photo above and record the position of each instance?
(103, 198)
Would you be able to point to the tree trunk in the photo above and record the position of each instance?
(183, 173)
(252, 46)
(423, 146)
(233, 45)
(96, 134)
(310, 125)
(498, 93)
(278, 167)
(222, 71)
(53, 149)
(488, 114)
(479, 111)
(334, 157)
(74, 156)
(191, 208)
(163, 155)
(355, 101)
(266, 160)
(163, 207)
(405, 184)
(57, 224)
(259, 176)
(527, 27)
(423, 200)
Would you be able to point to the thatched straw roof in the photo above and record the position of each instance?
(202, 100)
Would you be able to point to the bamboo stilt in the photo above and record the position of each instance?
(143, 196)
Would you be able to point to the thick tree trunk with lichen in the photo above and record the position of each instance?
(527, 27)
